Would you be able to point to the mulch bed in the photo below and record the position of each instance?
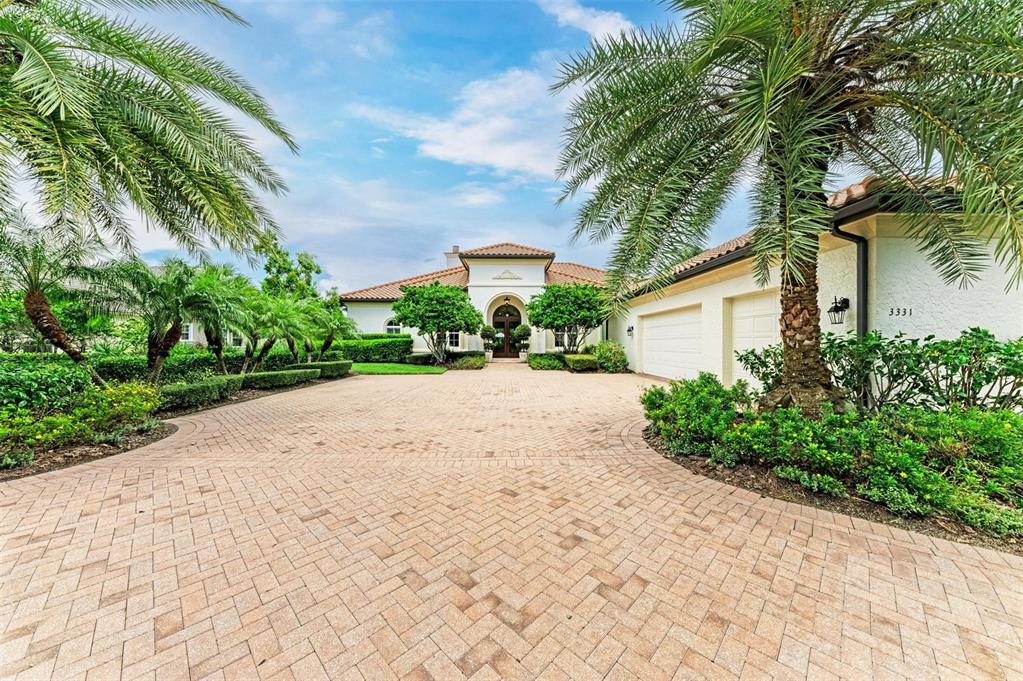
(762, 480)
(64, 457)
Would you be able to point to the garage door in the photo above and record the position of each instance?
(754, 325)
(670, 343)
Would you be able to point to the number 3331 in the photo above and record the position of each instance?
(900, 312)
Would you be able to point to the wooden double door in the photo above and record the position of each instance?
(506, 318)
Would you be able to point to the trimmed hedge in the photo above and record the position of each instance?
(327, 369)
(469, 362)
(551, 361)
(383, 336)
(264, 380)
(459, 354)
(390, 349)
(581, 362)
(208, 391)
(420, 358)
(42, 385)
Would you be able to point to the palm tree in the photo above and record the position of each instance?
(332, 323)
(280, 317)
(166, 297)
(104, 115)
(782, 95)
(39, 261)
(225, 290)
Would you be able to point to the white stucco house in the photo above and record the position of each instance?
(715, 308)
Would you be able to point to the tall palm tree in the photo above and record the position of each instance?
(106, 115)
(331, 323)
(280, 318)
(38, 261)
(781, 95)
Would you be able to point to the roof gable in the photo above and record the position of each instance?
(507, 249)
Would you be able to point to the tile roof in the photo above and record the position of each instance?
(574, 273)
(455, 276)
(507, 249)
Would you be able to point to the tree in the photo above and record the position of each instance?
(224, 289)
(331, 323)
(166, 297)
(38, 262)
(781, 95)
(104, 115)
(436, 309)
(277, 318)
(572, 309)
(284, 276)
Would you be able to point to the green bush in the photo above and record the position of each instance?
(419, 358)
(469, 362)
(121, 367)
(327, 369)
(383, 336)
(692, 416)
(581, 362)
(100, 415)
(551, 361)
(207, 391)
(42, 385)
(265, 380)
(457, 354)
(391, 349)
(973, 370)
(819, 483)
(611, 357)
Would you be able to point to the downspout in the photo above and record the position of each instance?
(862, 323)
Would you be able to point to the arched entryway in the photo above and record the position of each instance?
(506, 317)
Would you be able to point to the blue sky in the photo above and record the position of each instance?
(422, 124)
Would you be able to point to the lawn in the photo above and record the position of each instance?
(386, 368)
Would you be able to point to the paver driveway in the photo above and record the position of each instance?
(502, 523)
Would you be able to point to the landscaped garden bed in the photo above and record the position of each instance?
(934, 443)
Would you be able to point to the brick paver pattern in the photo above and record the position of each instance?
(501, 523)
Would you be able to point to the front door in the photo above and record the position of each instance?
(506, 318)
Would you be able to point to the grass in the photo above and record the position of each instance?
(386, 368)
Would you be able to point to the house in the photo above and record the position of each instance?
(870, 272)
(499, 279)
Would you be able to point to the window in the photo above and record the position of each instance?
(559, 339)
(454, 339)
(392, 326)
(186, 333)
(234, 339)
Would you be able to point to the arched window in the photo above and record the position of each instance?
(392, 326)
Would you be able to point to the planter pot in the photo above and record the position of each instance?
(490, 355)
(523, 356)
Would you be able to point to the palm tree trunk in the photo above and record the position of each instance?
(263, 352)
(292, 348)
(163, 349)
(250, 350)
(327, 342)
(215, 342)
(37, 309)
(805, 380)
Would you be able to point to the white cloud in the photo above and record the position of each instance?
(509, 123)
(475, 194)
(598, 23)
(326, 28)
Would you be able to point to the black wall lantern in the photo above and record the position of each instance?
(629, 331)
(837, 310)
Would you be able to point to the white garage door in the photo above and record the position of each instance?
(754, 325)
(671, 343)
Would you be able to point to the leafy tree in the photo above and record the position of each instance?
(104, 115)
(223, 289)
(287, 276)
(330, 323)
(572, 309)
(783, 93)
(435, 309)
(280, 318)
(37, 262)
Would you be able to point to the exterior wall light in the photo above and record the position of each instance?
(837, 310)
(629, 331)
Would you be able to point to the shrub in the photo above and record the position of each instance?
(691, 416)
(265, 380)
(42, 385)
(551, 361)
(101, 415)
(973, 370)
(419, 358)
(121, 367)
(611, 357)
(469, 362)
(815, 482)
(327, 369)
(390, 349)
(207, 391)
(581, 362)
(455, 354)
(384, 336)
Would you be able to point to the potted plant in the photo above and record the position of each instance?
(520, 337)
(488, 334)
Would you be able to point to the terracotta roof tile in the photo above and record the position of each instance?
(507, 249)
(574, 273)
(455, 276)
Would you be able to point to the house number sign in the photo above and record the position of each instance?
(900, 312)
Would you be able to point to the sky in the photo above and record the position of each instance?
(422, 124)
